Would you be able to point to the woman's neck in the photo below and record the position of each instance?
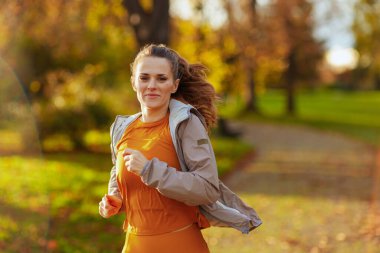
(153, 115)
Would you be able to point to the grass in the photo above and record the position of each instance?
(228, 152)
(51, 202)
(355, 114)
(298, 224)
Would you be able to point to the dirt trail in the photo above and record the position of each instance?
(296, 149)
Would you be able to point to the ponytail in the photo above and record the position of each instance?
(194, 89)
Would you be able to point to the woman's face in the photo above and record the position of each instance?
(153, 82)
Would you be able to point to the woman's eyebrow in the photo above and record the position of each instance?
(147, 74)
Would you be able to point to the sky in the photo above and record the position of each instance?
(335, 29)
(332, 26)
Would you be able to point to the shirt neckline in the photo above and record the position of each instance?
(154, 123)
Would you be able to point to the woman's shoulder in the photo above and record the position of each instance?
(184, 111)
(123, 120)
(192, 126)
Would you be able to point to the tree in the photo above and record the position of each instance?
(366, 29)
(303, 51)
(150, 23)
(245, 34)
(63, 52)
(257, 37)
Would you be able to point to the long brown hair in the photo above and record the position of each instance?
(193, 87)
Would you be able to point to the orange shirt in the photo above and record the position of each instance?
(148, 212)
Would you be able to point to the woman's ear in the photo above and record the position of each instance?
(176, 83)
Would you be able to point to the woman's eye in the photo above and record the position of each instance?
(144, 78)
(162, 79)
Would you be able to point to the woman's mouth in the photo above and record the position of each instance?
(152, 95)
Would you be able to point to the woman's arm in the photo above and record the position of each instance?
(200, 185)
(113, 189)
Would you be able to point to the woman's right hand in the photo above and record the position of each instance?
(109, 206)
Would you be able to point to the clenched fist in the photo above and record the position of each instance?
(134, 161)
(109, 206)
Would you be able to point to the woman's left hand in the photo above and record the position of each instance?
(134, 161)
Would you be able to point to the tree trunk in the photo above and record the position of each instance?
(152, 26)
(290, 104)
(290, 85)
(377, 82)
(251, 103)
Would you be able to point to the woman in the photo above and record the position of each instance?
(165, 176)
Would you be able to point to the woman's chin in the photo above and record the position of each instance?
(152, 104)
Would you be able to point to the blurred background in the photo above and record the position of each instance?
(303, 65)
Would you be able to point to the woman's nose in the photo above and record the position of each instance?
(152, 84)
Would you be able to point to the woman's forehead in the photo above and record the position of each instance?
(153, 65)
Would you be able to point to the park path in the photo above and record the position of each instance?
(313, 189)
(299, 149)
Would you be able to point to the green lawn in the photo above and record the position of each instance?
(355, 114)
(51, 202)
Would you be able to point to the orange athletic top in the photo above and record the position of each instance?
(148, 212)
